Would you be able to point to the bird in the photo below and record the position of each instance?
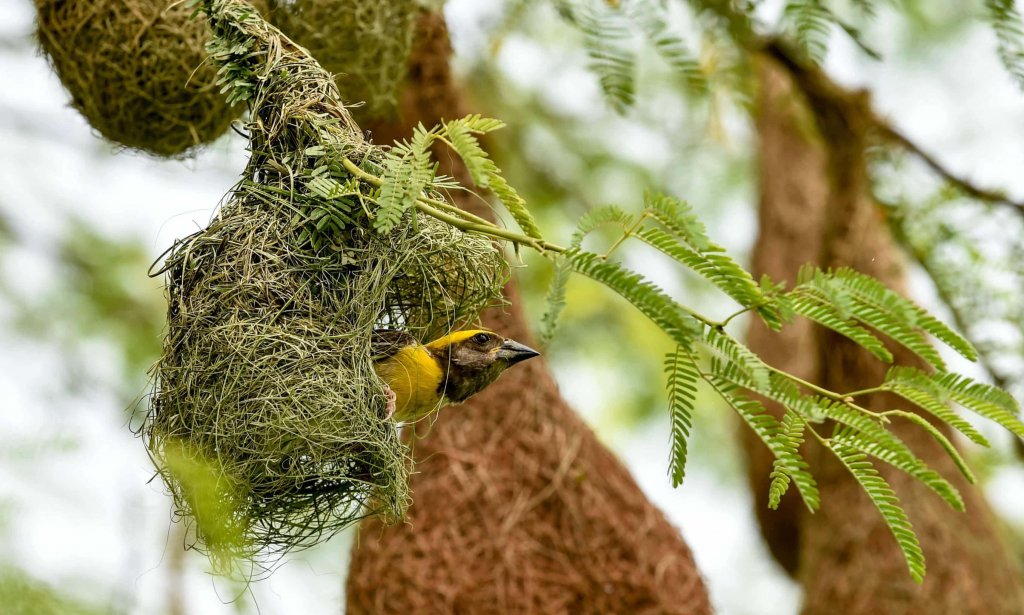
(422, 378)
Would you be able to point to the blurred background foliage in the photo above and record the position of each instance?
(81, 222)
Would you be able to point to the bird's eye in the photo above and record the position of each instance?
(481, 338)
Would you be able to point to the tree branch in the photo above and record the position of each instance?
(996, 197)
(806, 75)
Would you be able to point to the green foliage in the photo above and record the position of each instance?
(686, 241)
(975, 267)
(598, 217)
(1006, 22)
(939, 437)
(885, 500)
(902, 460)
(407, 172)
(212, 502)
(610, 37)
(937, 388)
(926, 399)
(790, 466)
(830, 315)
(651, 300)
(682, 394)
(780, 439)
(651, 19)
(867, 301)
(461, 137)
(717, 267)
(678, 217)
(735, 354)
(811, 24)
(607, 38)
(843, 300)
(555, 301)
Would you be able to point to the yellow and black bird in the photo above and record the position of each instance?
(451, 369)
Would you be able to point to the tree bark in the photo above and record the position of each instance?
(816, 206)
(517, 507)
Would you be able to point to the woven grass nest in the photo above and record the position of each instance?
(365, 44)
(267, 421)
(137, 70)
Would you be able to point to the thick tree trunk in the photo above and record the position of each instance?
(518, 508)
(816, 206)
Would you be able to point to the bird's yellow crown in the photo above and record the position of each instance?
(455, 337)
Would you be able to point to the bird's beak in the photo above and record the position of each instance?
(514, 352)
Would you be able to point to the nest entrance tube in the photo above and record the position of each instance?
(267, 420)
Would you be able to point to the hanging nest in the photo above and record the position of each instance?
(137, 70)
(267, 420)
(365, 44)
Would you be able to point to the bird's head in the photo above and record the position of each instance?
(475, 358)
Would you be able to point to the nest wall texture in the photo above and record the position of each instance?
(138, 71)
(365, 44)
(267, 420)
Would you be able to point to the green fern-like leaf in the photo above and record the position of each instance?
(1009, 28)
(717, 267)
(468, 148)
(607, 38)
(827, 315)
(685, 240)
(790, 466)
(939, 437)
(811, 24)
(777, 310)
(651, 18)
(678, 217)
(867, 434)
(872, 304)
(936, 389)
(407, 172)
(742, 374)
(652, 301)
(598, 217)
(754, 370)
(927, 399)
(515, 205)
(868, 290)
(909, 464)
(773, 434)
(886, 446)
(885, 500)
(985, 399)
(682, 395)
(555, 301)
(485, 174)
